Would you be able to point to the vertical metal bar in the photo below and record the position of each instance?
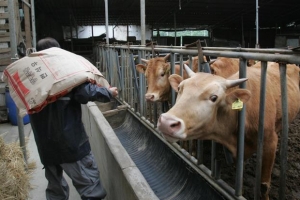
(134, 73)
(175, 30)
(172, 57)
(122, 74)
(11, 5)
(200, 157)
(241, 136)
(106, 22)
(142, 85)
(213, 158)
(284, 132)
(257, 25)
(107, 66)
(143, 23)
(33, 24)
(260, 137)
(111, 66)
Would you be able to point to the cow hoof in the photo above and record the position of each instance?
(264, 190)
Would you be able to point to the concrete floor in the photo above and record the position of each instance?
(38, 181)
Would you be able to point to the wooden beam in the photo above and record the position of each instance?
(4, 50)
(4, 39)
(3, 3)
(4, 26)
(5, 61)
(3, 15)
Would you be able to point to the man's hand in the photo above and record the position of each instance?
(114, 91)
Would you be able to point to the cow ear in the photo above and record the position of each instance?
(174, 80)
(166, 58)
(141, 68)
(242, 94)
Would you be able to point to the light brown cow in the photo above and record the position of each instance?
(157, 71)
(203, 110)
(221, 66)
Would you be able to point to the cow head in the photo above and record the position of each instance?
(200, 101)
(157, 72)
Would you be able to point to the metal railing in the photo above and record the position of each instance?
(117, 63)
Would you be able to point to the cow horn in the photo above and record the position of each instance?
(232, 83)
(144, 60)
(167, 57)
(188, 70)
(212, 61)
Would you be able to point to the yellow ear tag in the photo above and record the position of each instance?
(237, 105)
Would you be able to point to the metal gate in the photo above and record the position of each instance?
(118, 64)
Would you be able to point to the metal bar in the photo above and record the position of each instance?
(257, 25)
(260, 138)
(293, 58)
(142, 86)
(134, 73)
(200, 157)
(107, 66)
(235, 49)
(106, 21)
(241, 136)
(14, 56)
(33, 24)
(284, 132)
(213, 158)
(172, 57)
(119, 74)
(143, 23)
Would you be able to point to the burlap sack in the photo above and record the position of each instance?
(44, 76)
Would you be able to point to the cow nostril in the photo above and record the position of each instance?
(174, 125)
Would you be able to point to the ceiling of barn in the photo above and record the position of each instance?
(232, 14)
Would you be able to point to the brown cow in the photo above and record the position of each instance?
(157, 72)
(203, 110)
(221, 66)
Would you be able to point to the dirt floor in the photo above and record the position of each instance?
(292, 173)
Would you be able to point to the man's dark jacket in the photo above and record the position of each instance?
(58, 129)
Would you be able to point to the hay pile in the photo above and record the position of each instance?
(14, 178)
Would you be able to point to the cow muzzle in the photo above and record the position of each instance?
(151, 97)
(172, 127)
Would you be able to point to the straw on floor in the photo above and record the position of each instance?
(14, 173)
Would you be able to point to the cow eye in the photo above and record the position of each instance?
(213, 98)
(212, 71)
(162, 74)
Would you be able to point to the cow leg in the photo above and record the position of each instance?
(269, 153)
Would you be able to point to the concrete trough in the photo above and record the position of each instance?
(136, 164)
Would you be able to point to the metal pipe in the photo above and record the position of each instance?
(175, 29)
(143, 24)
(235, 49)
(260, 138)
(284, 132)
(106, 22)
(293, 58)
(172, 58)
(241, 136)
(257, 25)
(14, 56)
(33, 24)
